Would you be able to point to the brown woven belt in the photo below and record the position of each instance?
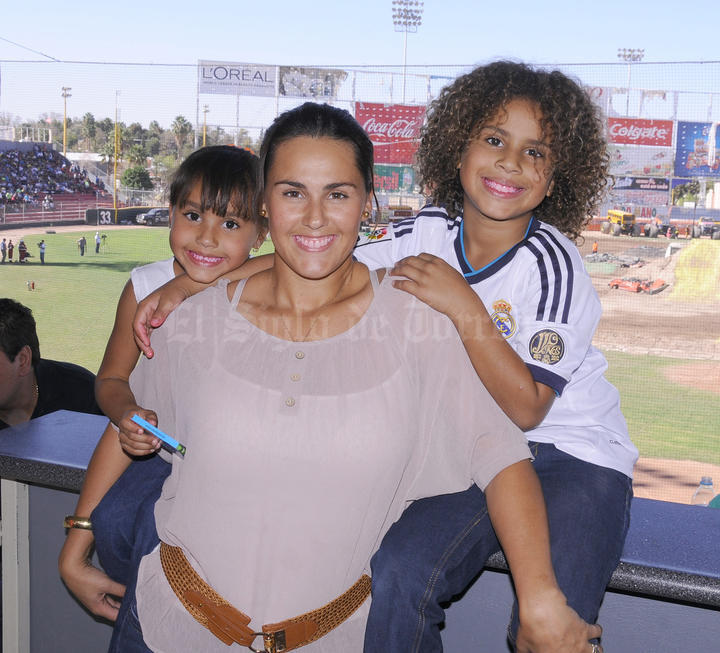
(230, 625)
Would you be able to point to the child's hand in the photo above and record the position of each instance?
(133, 439)
(436, 283)
(153, 311)
(552, 626)
(93, 588)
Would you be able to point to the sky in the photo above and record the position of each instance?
(311, 33)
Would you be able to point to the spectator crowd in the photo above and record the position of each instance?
(31, 177)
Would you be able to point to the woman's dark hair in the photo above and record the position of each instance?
(569, 118)
(319, 121)
(228, 177)
(17, 329)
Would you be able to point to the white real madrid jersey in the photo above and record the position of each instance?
(541, 298)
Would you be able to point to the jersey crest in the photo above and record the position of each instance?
(502, 318)
(546, 346)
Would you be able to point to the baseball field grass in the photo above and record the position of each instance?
(74, 300)
(75, 297)
(665, 420)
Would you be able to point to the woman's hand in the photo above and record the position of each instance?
(549, 625)
(99, 593)
(132, 436)
(436, 283)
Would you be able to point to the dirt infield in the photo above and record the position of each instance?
(659, 324)
(701, 375)
(671, 480)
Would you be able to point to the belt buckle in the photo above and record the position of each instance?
(274, 642)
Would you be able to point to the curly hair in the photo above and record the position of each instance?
(578, 146)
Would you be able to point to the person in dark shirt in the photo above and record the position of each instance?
(31, 386)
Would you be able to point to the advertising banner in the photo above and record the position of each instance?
(320, 83)
(642, 183)
(696, 155)
(394, 129)
(637, 131)
(236, 78)
(647, 197)
(639, 161)
(394, 179)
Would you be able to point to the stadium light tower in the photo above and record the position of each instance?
(630, 55)
(116, 148)
(205, 112)
(65, 95)
(407, 17)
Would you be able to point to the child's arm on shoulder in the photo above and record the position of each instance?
(505, 375)
(112, 387)
(93, 588)
(517, 511)
(153, 310)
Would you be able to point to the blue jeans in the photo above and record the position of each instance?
(124, 528)
(124, 520)
(441, 543)
(127, 635)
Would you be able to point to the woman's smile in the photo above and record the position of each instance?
(314, 243)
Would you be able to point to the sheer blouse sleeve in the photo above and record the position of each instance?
(468, 437)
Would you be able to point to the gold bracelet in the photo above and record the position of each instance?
(73, 521)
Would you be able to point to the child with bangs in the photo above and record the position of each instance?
(214, 223)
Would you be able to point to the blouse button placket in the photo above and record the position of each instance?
(294, 377)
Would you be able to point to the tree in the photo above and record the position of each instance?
(137, 177)
(89, 129)
(181, 129)
(137, 155)
(153, 145)
(688, 192)
(107, 152)
(154, 128)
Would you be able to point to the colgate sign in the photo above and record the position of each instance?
(394, 129)
(640, 132)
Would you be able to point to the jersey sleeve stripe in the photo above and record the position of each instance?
(570, 271)
(545, 246)
(557, 276)
(550, 379)
(544, 284)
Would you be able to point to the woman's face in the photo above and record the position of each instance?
(314, 197)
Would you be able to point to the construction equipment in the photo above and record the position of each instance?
(633, 284)
(620, 222)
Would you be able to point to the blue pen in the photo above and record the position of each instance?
(174, 444)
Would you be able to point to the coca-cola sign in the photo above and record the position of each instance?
(638, 131)
(394, 129)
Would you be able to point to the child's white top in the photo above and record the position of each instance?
(542, 300)
(147, 278)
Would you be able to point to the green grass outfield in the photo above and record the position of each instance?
(75, 296)
(74, 305)
(665, 420)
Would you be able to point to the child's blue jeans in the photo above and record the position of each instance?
(124, 520)
(441, 543)
(124, 528)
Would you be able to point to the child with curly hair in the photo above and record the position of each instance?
(514, 160)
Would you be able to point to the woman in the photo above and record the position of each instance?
(315, 401)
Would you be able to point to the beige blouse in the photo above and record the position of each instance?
(301, 455)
